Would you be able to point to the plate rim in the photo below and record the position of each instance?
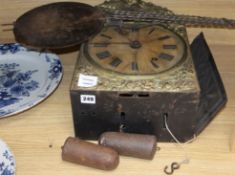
(54, 84)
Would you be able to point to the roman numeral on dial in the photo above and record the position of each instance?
(164, 38)
(170, 46)
(166, 56)
(121, 31)
(134, 66)
(103, 55)
(101, 44)
(116, 62)
(106, 36)
(135, 29)
(151, 31)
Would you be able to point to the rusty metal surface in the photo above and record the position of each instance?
(139, 10)
(133, 145)
(58, 25)
(89, 154)
(135, 112)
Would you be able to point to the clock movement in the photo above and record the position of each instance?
(136, 69)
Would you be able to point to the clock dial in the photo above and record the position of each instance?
(136, 50)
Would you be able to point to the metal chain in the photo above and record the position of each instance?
(189, 21)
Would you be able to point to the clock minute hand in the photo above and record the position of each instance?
(187, 20)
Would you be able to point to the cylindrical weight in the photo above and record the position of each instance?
(89, 154)
(134, 145)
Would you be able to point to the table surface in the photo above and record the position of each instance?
(36, 136)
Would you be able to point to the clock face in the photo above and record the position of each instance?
(135, 50)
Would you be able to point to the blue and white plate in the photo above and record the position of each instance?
(7, 160)
(26, 78)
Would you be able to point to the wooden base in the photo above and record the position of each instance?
(232, 141)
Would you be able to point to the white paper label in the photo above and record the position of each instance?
(88, 99)
(87, 81)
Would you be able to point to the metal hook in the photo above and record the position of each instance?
(7, 25)
(174, 166)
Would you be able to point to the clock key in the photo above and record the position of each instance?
(166, 56)
(103, 55)
(116, 62)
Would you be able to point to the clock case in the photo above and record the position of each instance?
(189, 95)
(188, 112)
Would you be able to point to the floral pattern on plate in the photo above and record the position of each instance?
(7, 161)
(15, 84)
(26, 77)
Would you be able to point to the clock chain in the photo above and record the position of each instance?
(187, 20)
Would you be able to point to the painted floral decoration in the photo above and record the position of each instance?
(7, 161)
(55, 69)
(15, 84)
(13, 48)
